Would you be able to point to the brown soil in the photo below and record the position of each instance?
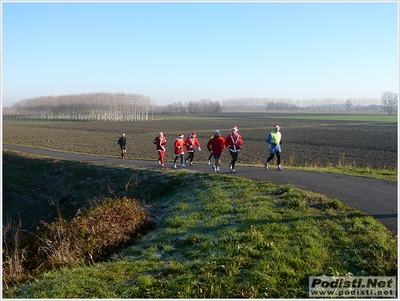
(305, 143)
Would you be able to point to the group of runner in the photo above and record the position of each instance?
(233, 142)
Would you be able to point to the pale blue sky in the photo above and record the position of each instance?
(200, 50)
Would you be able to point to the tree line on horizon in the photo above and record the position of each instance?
(92, 106)
(132, 107)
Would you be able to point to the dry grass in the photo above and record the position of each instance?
(14, 255)
(91, 236)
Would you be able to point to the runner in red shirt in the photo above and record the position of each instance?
(234, 144)
(160, 141)
(179, 150)
(191, 144)
(216, 146)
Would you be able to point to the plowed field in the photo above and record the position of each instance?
(306, 142)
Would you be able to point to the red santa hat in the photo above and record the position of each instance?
(180, 135)
(235, 128)
(193, 134)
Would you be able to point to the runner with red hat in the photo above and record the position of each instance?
(191, 144)
(160, 141)
(234, 144)
(179, 150)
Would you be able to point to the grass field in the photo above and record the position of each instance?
(364, 118)
(214, 236)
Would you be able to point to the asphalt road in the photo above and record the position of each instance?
(377, 198)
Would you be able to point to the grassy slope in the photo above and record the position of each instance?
(217, 236)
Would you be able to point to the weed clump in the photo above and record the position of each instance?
(13, 254)
(91, 236)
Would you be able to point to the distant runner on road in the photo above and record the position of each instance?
(122, 144)
(160, 141)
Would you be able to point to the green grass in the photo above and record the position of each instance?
(381, 174)
(326, 117)
(192, 117)
(219, 237)
(364, 118)
(330, 117)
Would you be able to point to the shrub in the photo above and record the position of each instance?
(91, 235)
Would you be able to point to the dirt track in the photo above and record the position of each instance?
(377, 198)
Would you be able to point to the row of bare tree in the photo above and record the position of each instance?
(102, 106)
(93, 106)
(127, 107)
(314, 104)
(203, 106)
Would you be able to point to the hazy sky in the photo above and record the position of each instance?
(200, 50)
